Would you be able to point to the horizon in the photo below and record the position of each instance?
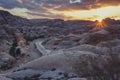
(63, 9)
(98, 21)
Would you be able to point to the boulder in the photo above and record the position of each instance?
(6, 61)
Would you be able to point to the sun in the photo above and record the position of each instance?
(100, 23)
(100, 20)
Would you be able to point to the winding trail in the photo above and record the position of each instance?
(41, 48)
(36, 51)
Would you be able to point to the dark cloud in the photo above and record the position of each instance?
(63, 4)
(9, 4)
(109, 2)
(89, 4)
(42, 7)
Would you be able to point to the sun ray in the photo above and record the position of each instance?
(100, 24)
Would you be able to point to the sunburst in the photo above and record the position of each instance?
(100, 24)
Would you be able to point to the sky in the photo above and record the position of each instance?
(63, 9)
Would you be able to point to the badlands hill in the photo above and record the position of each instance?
(45, 49)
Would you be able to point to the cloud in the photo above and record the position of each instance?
(58, 4)
(75, 1)
(53, 8)
(8, 4)
(88, 4)
(20, 1)
(49, 15)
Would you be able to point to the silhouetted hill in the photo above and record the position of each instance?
(111, 21)
(7, 18)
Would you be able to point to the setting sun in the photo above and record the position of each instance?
(100, 24)
(100, 20)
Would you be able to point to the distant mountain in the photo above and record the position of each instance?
(36, 28)
(7, 18)
(112, 21)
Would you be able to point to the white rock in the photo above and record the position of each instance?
(23, 73)
(77, 79)
(53, 74)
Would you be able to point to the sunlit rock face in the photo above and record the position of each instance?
(21, 43)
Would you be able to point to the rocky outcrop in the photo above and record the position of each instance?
(90, 48)
(30, 74)
(63, 61)
(4, 78)
(6, 61)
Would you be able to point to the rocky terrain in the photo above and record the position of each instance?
(46, 49)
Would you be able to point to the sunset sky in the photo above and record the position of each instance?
(63, 9)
